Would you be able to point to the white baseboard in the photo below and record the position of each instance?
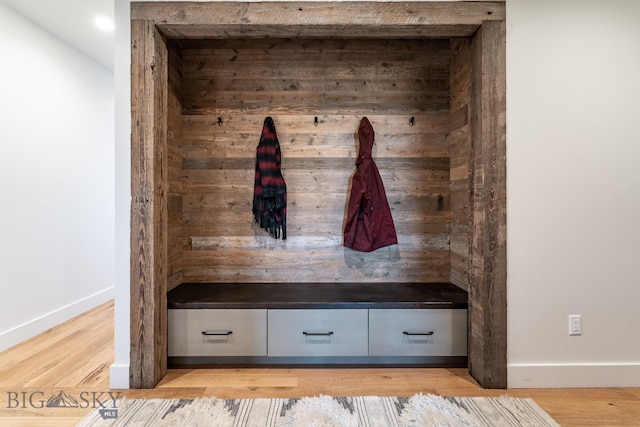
(574, 375)
(30, 329)
(119, 376)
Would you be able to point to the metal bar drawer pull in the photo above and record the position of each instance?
(423, 334)
(317, 334)
(217, 334)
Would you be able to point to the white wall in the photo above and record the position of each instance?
(573, 146)
(57, 174)
(573, 141)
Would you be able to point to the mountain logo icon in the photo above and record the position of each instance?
(62, 400)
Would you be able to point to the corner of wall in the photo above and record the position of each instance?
(33, 327)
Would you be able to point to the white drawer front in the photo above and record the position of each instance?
(318, 332)
(418, 332)
(227, 332)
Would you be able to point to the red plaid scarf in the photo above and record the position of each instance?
(270, 190)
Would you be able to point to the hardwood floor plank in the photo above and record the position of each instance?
(96, 379)
(98, 318)
(234, 378)
(75, 358)
(42, 422)
(47, 367)
(73, 361)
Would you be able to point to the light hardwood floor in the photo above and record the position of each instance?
(75, 358)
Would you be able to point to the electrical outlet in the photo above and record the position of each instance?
(575, 324)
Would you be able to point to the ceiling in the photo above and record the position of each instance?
(73, 21)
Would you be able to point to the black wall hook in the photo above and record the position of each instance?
(315, 121)
(219, 121)
(412, 121)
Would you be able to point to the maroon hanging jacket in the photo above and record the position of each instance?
(369, 224)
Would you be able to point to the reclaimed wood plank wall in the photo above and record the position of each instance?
(228, 87)
(176, 189)
(461, 155)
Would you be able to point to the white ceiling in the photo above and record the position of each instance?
(73, 22)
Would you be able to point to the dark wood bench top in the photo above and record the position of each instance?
(316, 295)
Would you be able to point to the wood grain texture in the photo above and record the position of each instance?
(318, 19)
(176, 189)
(76, 364)
(149, 210)
(461, 150)
(488, 272)
(337, 82)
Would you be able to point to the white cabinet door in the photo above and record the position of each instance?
(418, 332)
(319, 332)
(211, 332)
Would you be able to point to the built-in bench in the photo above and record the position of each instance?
(317, 324)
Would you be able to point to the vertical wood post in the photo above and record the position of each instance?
(148, 355)
(488, 271)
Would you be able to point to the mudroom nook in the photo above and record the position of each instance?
(430, 78)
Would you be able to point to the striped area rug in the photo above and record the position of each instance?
(419, 410)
